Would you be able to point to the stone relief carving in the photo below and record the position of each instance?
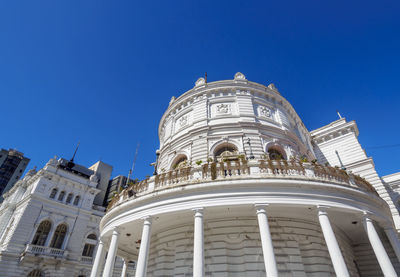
(183, 121)
(223, 108)
(264, 111)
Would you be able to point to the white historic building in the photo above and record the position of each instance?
(49, 221)
(244, 189)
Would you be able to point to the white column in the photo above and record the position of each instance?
(141, 267)
(198, 244)
(377, 246)
(112, 252)
(333, 247)
(266, 241)
(124, 268)
(98, 259)
(394, 240)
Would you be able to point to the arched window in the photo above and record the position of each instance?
(53, 193)
(180, 161)
(90, 245)
(275, 153)
(61, 196)
(69, 198)
(76, 201)
(88, 250)
(225, 150)
(92, 236)
(35, 273)
(41, 233)
(59, 236)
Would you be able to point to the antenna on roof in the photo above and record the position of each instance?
(71, 164)
(133, 165)
(205, 78)
(76, 149)
(340, 117)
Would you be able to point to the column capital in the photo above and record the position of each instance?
(198, 211)
(261, 207)
(366, 216)
(147, 220)
(116, 230)
(323, 209)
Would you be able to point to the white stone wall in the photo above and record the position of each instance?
(28, 203)
(230, 111)
(233, 248)
(341, 137)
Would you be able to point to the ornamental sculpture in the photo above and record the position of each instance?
(223, 108)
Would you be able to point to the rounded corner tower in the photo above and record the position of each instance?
(237, 192)
(239, 115)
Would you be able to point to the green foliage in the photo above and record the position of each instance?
(199, 162)
(304, 159)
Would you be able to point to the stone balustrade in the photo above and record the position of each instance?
(87, 260)
(43, 250)
(243, 169)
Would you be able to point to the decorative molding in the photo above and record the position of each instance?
(223, 108)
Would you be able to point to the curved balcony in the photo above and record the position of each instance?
(246, 170)
(229, 201)
(46, 251)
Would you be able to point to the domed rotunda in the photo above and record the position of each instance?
(240, 189)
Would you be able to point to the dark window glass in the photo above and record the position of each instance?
(88, 250)
(69, 198)
(41, 233)
(59, 236)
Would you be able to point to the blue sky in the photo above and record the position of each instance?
(103, 72)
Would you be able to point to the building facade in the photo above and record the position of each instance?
(49, 221)
(12, 167)
(115, 185)
(244, 189)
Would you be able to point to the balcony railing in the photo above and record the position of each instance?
(240, 169)
(86, 260)
(46, 251)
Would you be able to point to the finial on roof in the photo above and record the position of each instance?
(272, 86)
(172, 100)
(201, 81)
(240, 76)
(31, 172)
(340, 117)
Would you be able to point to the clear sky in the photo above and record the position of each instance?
(102, 72)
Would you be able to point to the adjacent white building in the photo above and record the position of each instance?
(244, 189)
(49, 221)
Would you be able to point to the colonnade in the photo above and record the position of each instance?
(335, 253)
